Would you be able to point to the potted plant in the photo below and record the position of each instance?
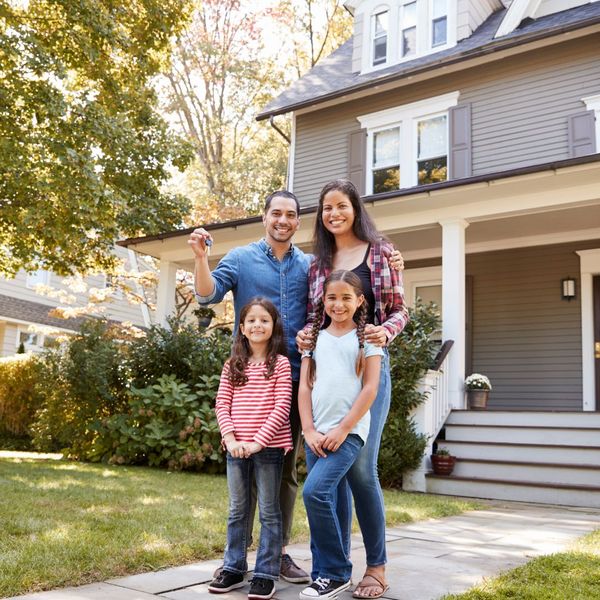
(205, 315)
(442, 462)
(477, 388)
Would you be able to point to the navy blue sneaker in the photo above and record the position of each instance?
(226, 581)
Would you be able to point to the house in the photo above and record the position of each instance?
(472, 129)
(25, 313)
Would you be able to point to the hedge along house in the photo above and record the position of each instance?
(472, 130)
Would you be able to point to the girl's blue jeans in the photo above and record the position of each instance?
(363, 480)
(266, 466)
(330, 557)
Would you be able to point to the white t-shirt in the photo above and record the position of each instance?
(336, 384)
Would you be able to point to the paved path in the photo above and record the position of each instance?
(426, 559)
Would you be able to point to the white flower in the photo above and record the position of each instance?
(477, 381)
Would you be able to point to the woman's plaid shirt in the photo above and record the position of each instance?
(390, 307)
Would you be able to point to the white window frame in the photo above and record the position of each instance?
(593, 103)
(370, 8)
(42, 277)
(39, 337)
(406, 117)
(401, 30)
(381, 8)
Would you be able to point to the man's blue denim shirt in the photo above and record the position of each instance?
(253, 270)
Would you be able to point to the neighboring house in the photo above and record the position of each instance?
(472, 128)
(24, 313)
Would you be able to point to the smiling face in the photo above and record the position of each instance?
(341, 301)
(337, 213)
(257, 325)
(281, 220)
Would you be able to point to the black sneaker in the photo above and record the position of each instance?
(226, 581)
(323, 589)
(261, 589)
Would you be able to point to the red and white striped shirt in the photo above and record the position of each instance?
(258, 411)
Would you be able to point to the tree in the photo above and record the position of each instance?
(219, 76)
(83, 150)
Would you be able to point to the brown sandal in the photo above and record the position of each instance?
(363, 584)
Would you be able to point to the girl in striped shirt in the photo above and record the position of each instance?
(253, 407)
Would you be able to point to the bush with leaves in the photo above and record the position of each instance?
(166, 424)
(85, 382)
(179, 350)
(411, 355)
(20, 398)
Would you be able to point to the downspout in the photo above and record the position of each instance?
(289, 174)
(279, 131)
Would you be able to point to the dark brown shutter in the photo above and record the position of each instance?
(459, 134)
(582, 134)
(357, 159)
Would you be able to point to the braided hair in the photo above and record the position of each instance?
(360, 318)
(241, 351)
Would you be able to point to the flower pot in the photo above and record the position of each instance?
(477, 399)
(442, 464)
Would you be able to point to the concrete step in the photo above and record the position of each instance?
(583, 420)
(578, 455)
(524, 435)
(555, 473)
(567, 495)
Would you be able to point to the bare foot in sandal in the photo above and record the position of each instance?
(373, 584)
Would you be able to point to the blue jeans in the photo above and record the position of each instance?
(363, 480)
(266, 466)
(330, 558)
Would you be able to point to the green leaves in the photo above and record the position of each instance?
(83, 146)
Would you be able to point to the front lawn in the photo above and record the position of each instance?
(571, 575)
(67, 523)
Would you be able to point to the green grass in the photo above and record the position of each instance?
(67, 523)
(571, 575)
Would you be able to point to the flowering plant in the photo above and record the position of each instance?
(477, 382)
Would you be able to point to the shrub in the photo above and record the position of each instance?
(166, 424)
(20, 395)
(411, 354)
(88, 384)
(179, 350)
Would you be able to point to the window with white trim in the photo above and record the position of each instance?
(408, 145)
(39, 277)
(34, 341)
(401, 30)
(380, 37)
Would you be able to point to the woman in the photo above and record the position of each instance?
(346, 238)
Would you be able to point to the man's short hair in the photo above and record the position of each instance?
(281, 194)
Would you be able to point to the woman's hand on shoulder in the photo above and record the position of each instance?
(304, 340)
(396, 260)
(314, 440)
(376, 335)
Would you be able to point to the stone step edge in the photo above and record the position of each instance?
(536, 484)
(535, 427)
(518, 444)
(520, 463)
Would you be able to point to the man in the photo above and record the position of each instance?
(277, 270)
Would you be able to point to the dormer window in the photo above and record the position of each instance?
(402, 30)
(408, 26)
(380, 38)
(439, 22)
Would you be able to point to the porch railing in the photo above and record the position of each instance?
(430, 416)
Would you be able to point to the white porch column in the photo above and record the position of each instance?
(453, 304)
(589, 266)
(165, 295)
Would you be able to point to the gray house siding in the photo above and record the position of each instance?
(525, 337)
(520, 112)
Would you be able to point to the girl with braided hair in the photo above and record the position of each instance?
(345, 237)
(339, 378)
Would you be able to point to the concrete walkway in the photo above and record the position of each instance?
(426, 559)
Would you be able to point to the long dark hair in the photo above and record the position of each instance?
(241, 351)
(360, 318)
(363, 227)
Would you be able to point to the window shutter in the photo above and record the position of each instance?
(582, 134)
(459, 135)
(357, 158)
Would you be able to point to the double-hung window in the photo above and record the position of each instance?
(380, 37)
(408, 145)
(439, 22)
(39, 277)
(408, 29)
